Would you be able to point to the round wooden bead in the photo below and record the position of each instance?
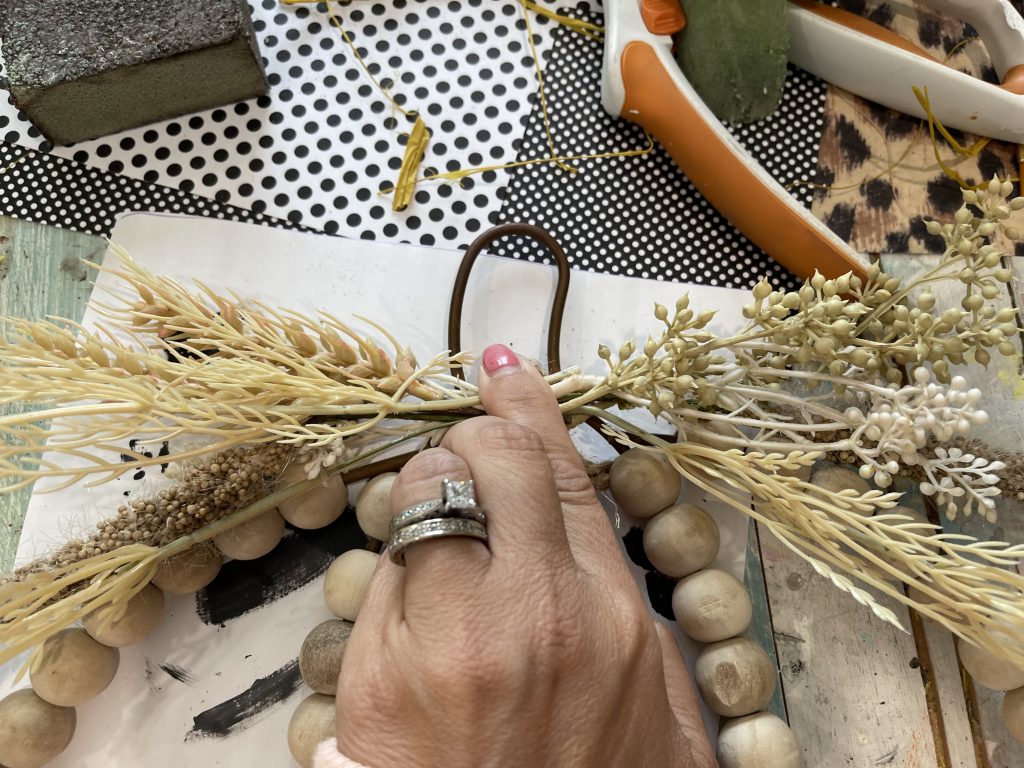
(757, 741)
(800, 473)
(253, 538)
(315, 508)
(321, 655)
(141, 617)
(312, 722)
(1013, 713)
(33, 731)
(643, 482)
(834, 479)
(989, 670)
(373, 508)
(712, 605)
(189, 571)
(681, 539)
(347, 580)
(735, 677)
(73, 668)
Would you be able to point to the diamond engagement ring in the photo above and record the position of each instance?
(456, 513)
(457, 500)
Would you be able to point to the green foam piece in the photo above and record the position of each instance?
(89, 68)
(734, 54)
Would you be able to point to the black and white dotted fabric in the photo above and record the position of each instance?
(640, 216)
(50, 190)
(319, 149)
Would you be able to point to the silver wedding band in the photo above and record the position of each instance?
(456, 513)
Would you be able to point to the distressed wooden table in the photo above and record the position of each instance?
(857, 692)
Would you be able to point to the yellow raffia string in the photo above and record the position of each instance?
(405, 187)
(553, 156)
(935, 125)
(463, 173)
(587, 29)
(414, 151)
(418, 137)
(854, 185)
(562, 161)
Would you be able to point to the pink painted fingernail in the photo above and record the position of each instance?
(499, 360)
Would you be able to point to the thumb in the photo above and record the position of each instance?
(682, 698)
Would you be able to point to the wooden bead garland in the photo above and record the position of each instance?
(643, 483)
(189, 571)
(347, 580)
(321, 654)
(142, 615)
(33, 731)
(681, 540)
(312, 722)
(373, 508)
(1013, 714)
(253, 538)
(73, 668)
(834, 479)
(712, 605)
(988, 670)
(317, 507)
(77, 664)
(761, 740)
(734, 675)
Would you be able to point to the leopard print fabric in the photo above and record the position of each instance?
(878, 181)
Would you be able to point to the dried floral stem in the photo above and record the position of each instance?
(43, 603)
(837, 532)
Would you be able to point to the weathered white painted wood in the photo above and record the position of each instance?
(1003, 386)
(950, 693)
(853, 688)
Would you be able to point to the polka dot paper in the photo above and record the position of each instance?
(47, 189)
(318, 150)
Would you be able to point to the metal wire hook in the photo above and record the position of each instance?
(557, 304)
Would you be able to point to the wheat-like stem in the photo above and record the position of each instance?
(975, 596)
(44, 602)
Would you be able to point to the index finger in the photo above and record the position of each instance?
(512, 389)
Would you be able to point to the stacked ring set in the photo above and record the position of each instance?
(454, 514)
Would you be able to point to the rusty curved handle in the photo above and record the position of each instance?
(557, 305)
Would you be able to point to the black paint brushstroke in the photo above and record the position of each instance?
(633, 542)
(237, 713)
(302, 556)
(180, 674)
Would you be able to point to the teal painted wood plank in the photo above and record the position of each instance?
(40, 274)
(760, 629)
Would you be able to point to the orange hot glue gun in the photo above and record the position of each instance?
(642, 83)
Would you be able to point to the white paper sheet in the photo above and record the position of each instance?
(143, 717)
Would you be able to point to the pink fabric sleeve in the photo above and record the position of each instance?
(328, 756)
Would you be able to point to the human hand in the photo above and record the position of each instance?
(535, 651)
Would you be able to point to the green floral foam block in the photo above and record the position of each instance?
(734, 53)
